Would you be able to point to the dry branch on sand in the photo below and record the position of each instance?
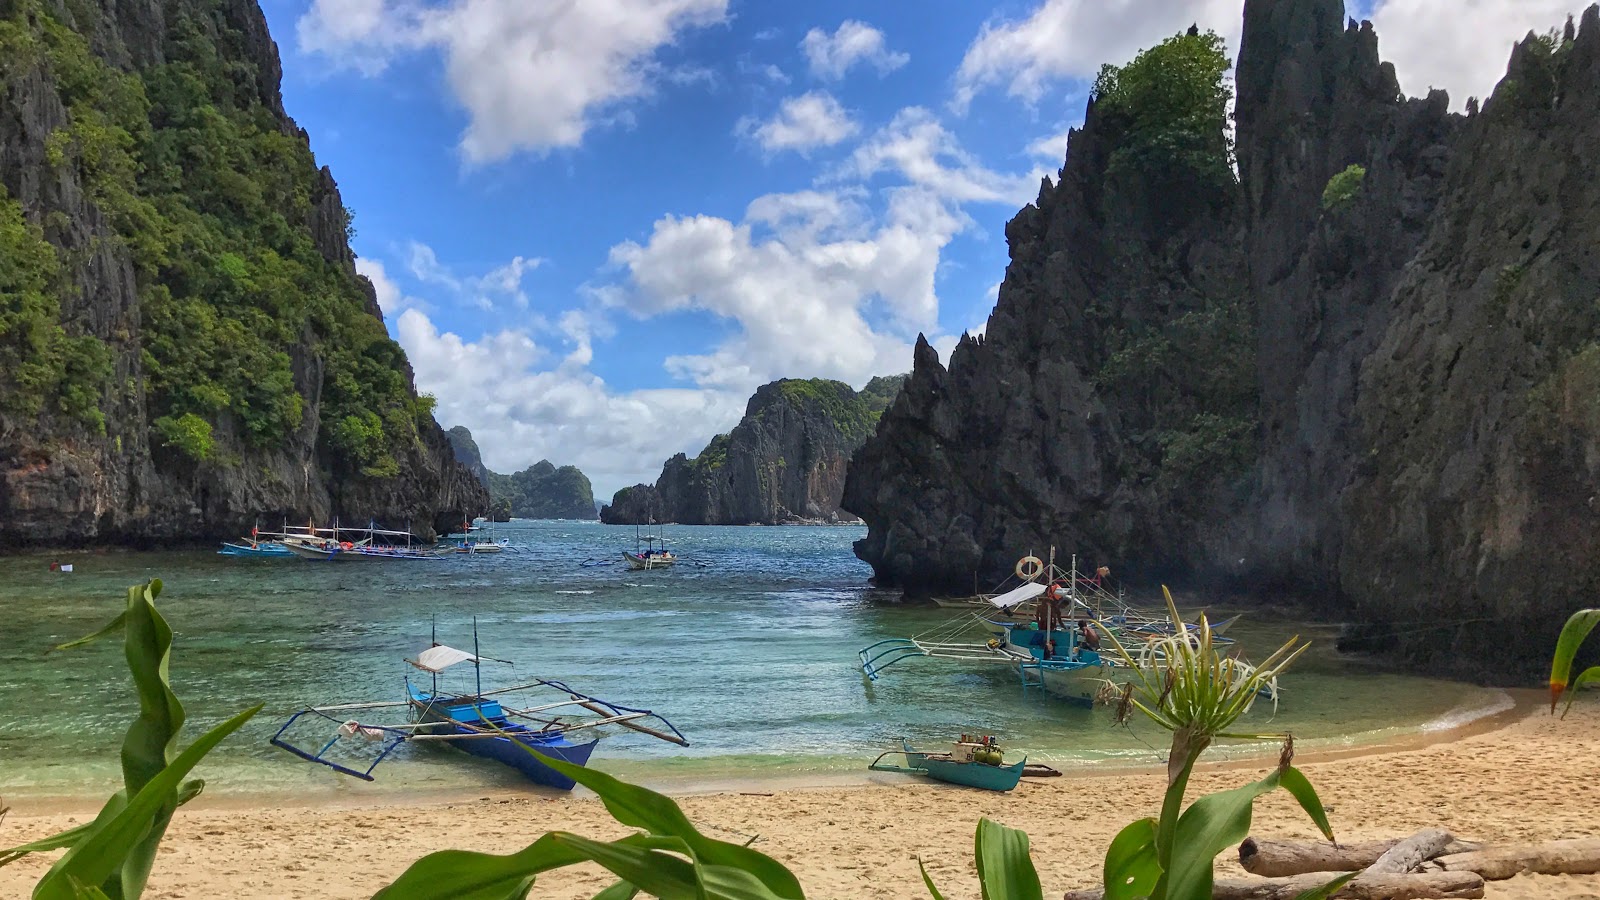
(1399, 869)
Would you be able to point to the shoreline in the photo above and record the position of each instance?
(1519, 774)
(1520, 704)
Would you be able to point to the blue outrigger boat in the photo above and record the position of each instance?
(969, 772)
(482, 723)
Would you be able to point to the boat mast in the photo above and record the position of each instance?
(477, 664)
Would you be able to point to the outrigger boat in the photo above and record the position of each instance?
(260, 545)
(972, 763)
(336, 545)
(1057, 649)
(482, 723)
(652, 555)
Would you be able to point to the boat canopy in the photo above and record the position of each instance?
(437, 658)
(1018, 595)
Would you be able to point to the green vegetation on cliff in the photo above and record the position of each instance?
(216, 203)
(1171, 104)
(38, 359)
(543, 491)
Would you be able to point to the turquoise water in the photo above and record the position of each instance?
(751, 653)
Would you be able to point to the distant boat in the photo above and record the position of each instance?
(475, 545)
(477, 721)
(649, 550)
(260, 544)
(336, 544)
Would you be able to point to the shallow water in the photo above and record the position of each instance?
(749, 647)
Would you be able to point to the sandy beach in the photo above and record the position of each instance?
(1524, 776)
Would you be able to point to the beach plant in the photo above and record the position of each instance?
(1181, 683)
(1573, 634)
(111, 856)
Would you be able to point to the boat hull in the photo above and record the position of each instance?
(457, 716)
(940, 767)
(639, 561)
(262, 550)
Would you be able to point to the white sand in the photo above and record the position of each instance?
(1533, 779)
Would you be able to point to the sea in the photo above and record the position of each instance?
(749, 646)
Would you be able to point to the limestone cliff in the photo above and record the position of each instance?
(541, 491)
(1422, 342)
(784, 462)
(185, 342)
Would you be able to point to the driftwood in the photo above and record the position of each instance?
(1275, 859)
(1574, 857)
(1416, 886)
(1410, 853)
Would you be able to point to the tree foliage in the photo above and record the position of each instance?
(1343, 186)
(1171, 106)
(214, 200)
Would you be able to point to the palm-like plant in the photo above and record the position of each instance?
(1182, 684)
(1572, 637)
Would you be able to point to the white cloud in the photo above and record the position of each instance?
(1064, 39)
(832, 55)
(532, 74)
(525, 412)
(813, 119)
(1050, 147)
(816, 288)
(482, 291)
(390, 300)
(917, 146)
(1461, 47)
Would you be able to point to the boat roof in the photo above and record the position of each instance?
(1018, 595)
(439, 657)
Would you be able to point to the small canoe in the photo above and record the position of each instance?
(940, 767)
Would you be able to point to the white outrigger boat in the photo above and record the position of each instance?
(649, 551)
(1057, 648)
(338, 544)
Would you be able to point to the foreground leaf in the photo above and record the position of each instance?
(1572, 637)
(1329, 889)
(1132, 868)
(101, 852)
(1005, 870)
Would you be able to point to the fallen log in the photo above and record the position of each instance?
(1276, 859)
(1414, 886)
(1571, 857)
(1410, 853)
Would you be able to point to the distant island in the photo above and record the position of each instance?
(785, 462)
(541, 491)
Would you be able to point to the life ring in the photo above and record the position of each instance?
(1029, 568)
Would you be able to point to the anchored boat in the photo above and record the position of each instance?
(498, 724)
(972, 763)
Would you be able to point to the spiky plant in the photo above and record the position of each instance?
(1572, 637)
(1185, 686)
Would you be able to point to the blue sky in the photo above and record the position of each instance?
(597, 226)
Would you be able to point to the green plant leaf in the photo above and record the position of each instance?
(1572, 637)
(112, 627)
(657, 814)
(1210, 824)
(1329, 889)
(1005, 870)
(1295, 782)
(927, 880)
(189, 791)
(102, 851)
(619, 891)
(1590, 675)
(1132, 867)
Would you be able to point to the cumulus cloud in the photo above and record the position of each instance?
(811, 120)
(1461, 47)
(832, 55)
(482, 291)
(917, 146)
(528, 411)
(1051, 147)
(1065, 39)
(817, 285)
(390, 299)
(532, 74)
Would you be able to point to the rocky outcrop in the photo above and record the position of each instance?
(784, 462)
(159, 242)
(540, 491)
(1423, 352)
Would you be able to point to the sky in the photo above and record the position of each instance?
(596, 226)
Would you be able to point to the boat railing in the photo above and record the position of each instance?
(391, 736)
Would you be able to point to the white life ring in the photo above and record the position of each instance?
(1029, 568)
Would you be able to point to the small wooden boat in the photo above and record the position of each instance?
(255, 549)
(957, 767)
(649, 551)
(561, 723)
